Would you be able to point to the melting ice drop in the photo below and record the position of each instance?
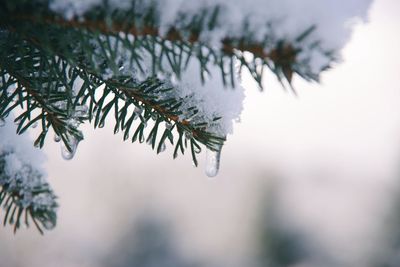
(212, 162)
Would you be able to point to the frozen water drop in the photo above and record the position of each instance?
(27, 199)
(81, 111)
(10, 90)
(2, 122)
(162, 148)
(197, 149)
(205, 75)
(48, 225)
(188, 135)
(174, 79)
(160, 75)
(168, 125)
(34, 125)
(73, 122)
(138, 110)
(57, 138)
(65, 153)
(60, 105)
(212, 162)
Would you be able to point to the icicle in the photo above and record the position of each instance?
(212, 162)
(65, 153)
(2, 122)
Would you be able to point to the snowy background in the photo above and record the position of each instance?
(324, 166)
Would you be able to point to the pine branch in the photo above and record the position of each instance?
(60, 73)
(24, 196)
(124, 52)
(186, 39)
(145, 96)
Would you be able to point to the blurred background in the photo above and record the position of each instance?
(307, 181)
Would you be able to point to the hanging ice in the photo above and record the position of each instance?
(65, 153)
(212, 162)
(57, 138)
(48, 225)
(162, 148)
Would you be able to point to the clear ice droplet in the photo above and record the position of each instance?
(206, 75)
(168, 125)
(48, 225)
(35, 124)
(138, 110)
(188, 135)
(212, 162)
(57, 138)
(162, 147)
(174, 79)
(65, 153)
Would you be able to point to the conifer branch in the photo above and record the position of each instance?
(61, 72)
(24, 196)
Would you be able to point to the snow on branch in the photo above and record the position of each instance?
(25, 195)
(167, 71)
